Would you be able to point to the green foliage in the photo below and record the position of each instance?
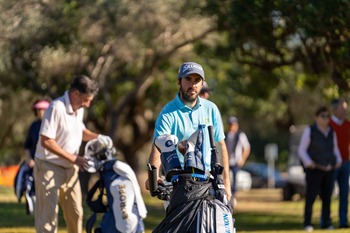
(281, 59)
(269, 62)
(130, 48)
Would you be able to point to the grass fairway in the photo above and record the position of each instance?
(257, 211)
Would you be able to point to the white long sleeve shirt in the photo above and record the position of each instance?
(305, 142)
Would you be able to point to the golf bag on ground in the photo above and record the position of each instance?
(116, 194)
(24, 186)
(197, 202)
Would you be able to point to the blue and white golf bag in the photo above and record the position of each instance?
(24, 186)
(116, 194)
(197, 199)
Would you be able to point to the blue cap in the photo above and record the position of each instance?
(232, 120)
(190, 68)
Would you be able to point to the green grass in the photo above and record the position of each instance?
(258, 211)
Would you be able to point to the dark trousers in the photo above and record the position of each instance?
(234, 169)
(318, 183)
(342, 177)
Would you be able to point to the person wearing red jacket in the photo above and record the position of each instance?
(341, 126)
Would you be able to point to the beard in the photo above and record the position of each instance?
(187, 97)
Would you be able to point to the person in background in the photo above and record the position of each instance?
(24, 180)
(57, 161)
(39, 108)
(341, 127)
(238, 149)
(205, 91)
(319, 153)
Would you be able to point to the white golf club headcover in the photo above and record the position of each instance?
(166, 144)
(105, 140)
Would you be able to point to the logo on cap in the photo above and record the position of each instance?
(190, 68)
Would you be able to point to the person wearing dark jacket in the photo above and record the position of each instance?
(32, 138)
(319, 153)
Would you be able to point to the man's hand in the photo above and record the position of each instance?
(311, 166)
(147, 184)
(81, 162)
(31, 163)
(159, 181)
(337, 165)
(228, 194)
(241, 162)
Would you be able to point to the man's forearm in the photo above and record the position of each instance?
(89, 135)
(154, 159)
(245, 155)
(52, 146)
(225, 164)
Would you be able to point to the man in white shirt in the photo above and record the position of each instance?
(238, 149)
(57, 161)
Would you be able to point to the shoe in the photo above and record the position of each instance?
(330, 227)
(308, 228)
(343, 227)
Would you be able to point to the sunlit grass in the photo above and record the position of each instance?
(257, 211)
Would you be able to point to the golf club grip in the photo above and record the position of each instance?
(152, 178)
(211, 136)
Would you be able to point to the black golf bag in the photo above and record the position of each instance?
(116, 195)
(197, 201)
(24, 186)
(193, 208)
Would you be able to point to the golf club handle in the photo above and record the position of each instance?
(211, 136)
(152, 178)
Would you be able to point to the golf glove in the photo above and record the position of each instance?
(106, 141)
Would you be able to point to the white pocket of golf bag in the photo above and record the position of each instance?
(215, 217)
(124, 208)
(128, 206)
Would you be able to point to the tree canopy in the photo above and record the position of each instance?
(267, 61)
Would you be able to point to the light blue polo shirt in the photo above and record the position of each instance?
(180, 120)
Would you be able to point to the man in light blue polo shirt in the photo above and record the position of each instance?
(183, 115)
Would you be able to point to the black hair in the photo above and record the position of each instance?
(321, 110)
(84, 85)
(336, 102)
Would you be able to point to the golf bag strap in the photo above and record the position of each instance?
(97, 205)
(90, 223)
(194, 176)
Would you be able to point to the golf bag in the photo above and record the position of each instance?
(24, 186)
(197, 202)
(116, 194)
